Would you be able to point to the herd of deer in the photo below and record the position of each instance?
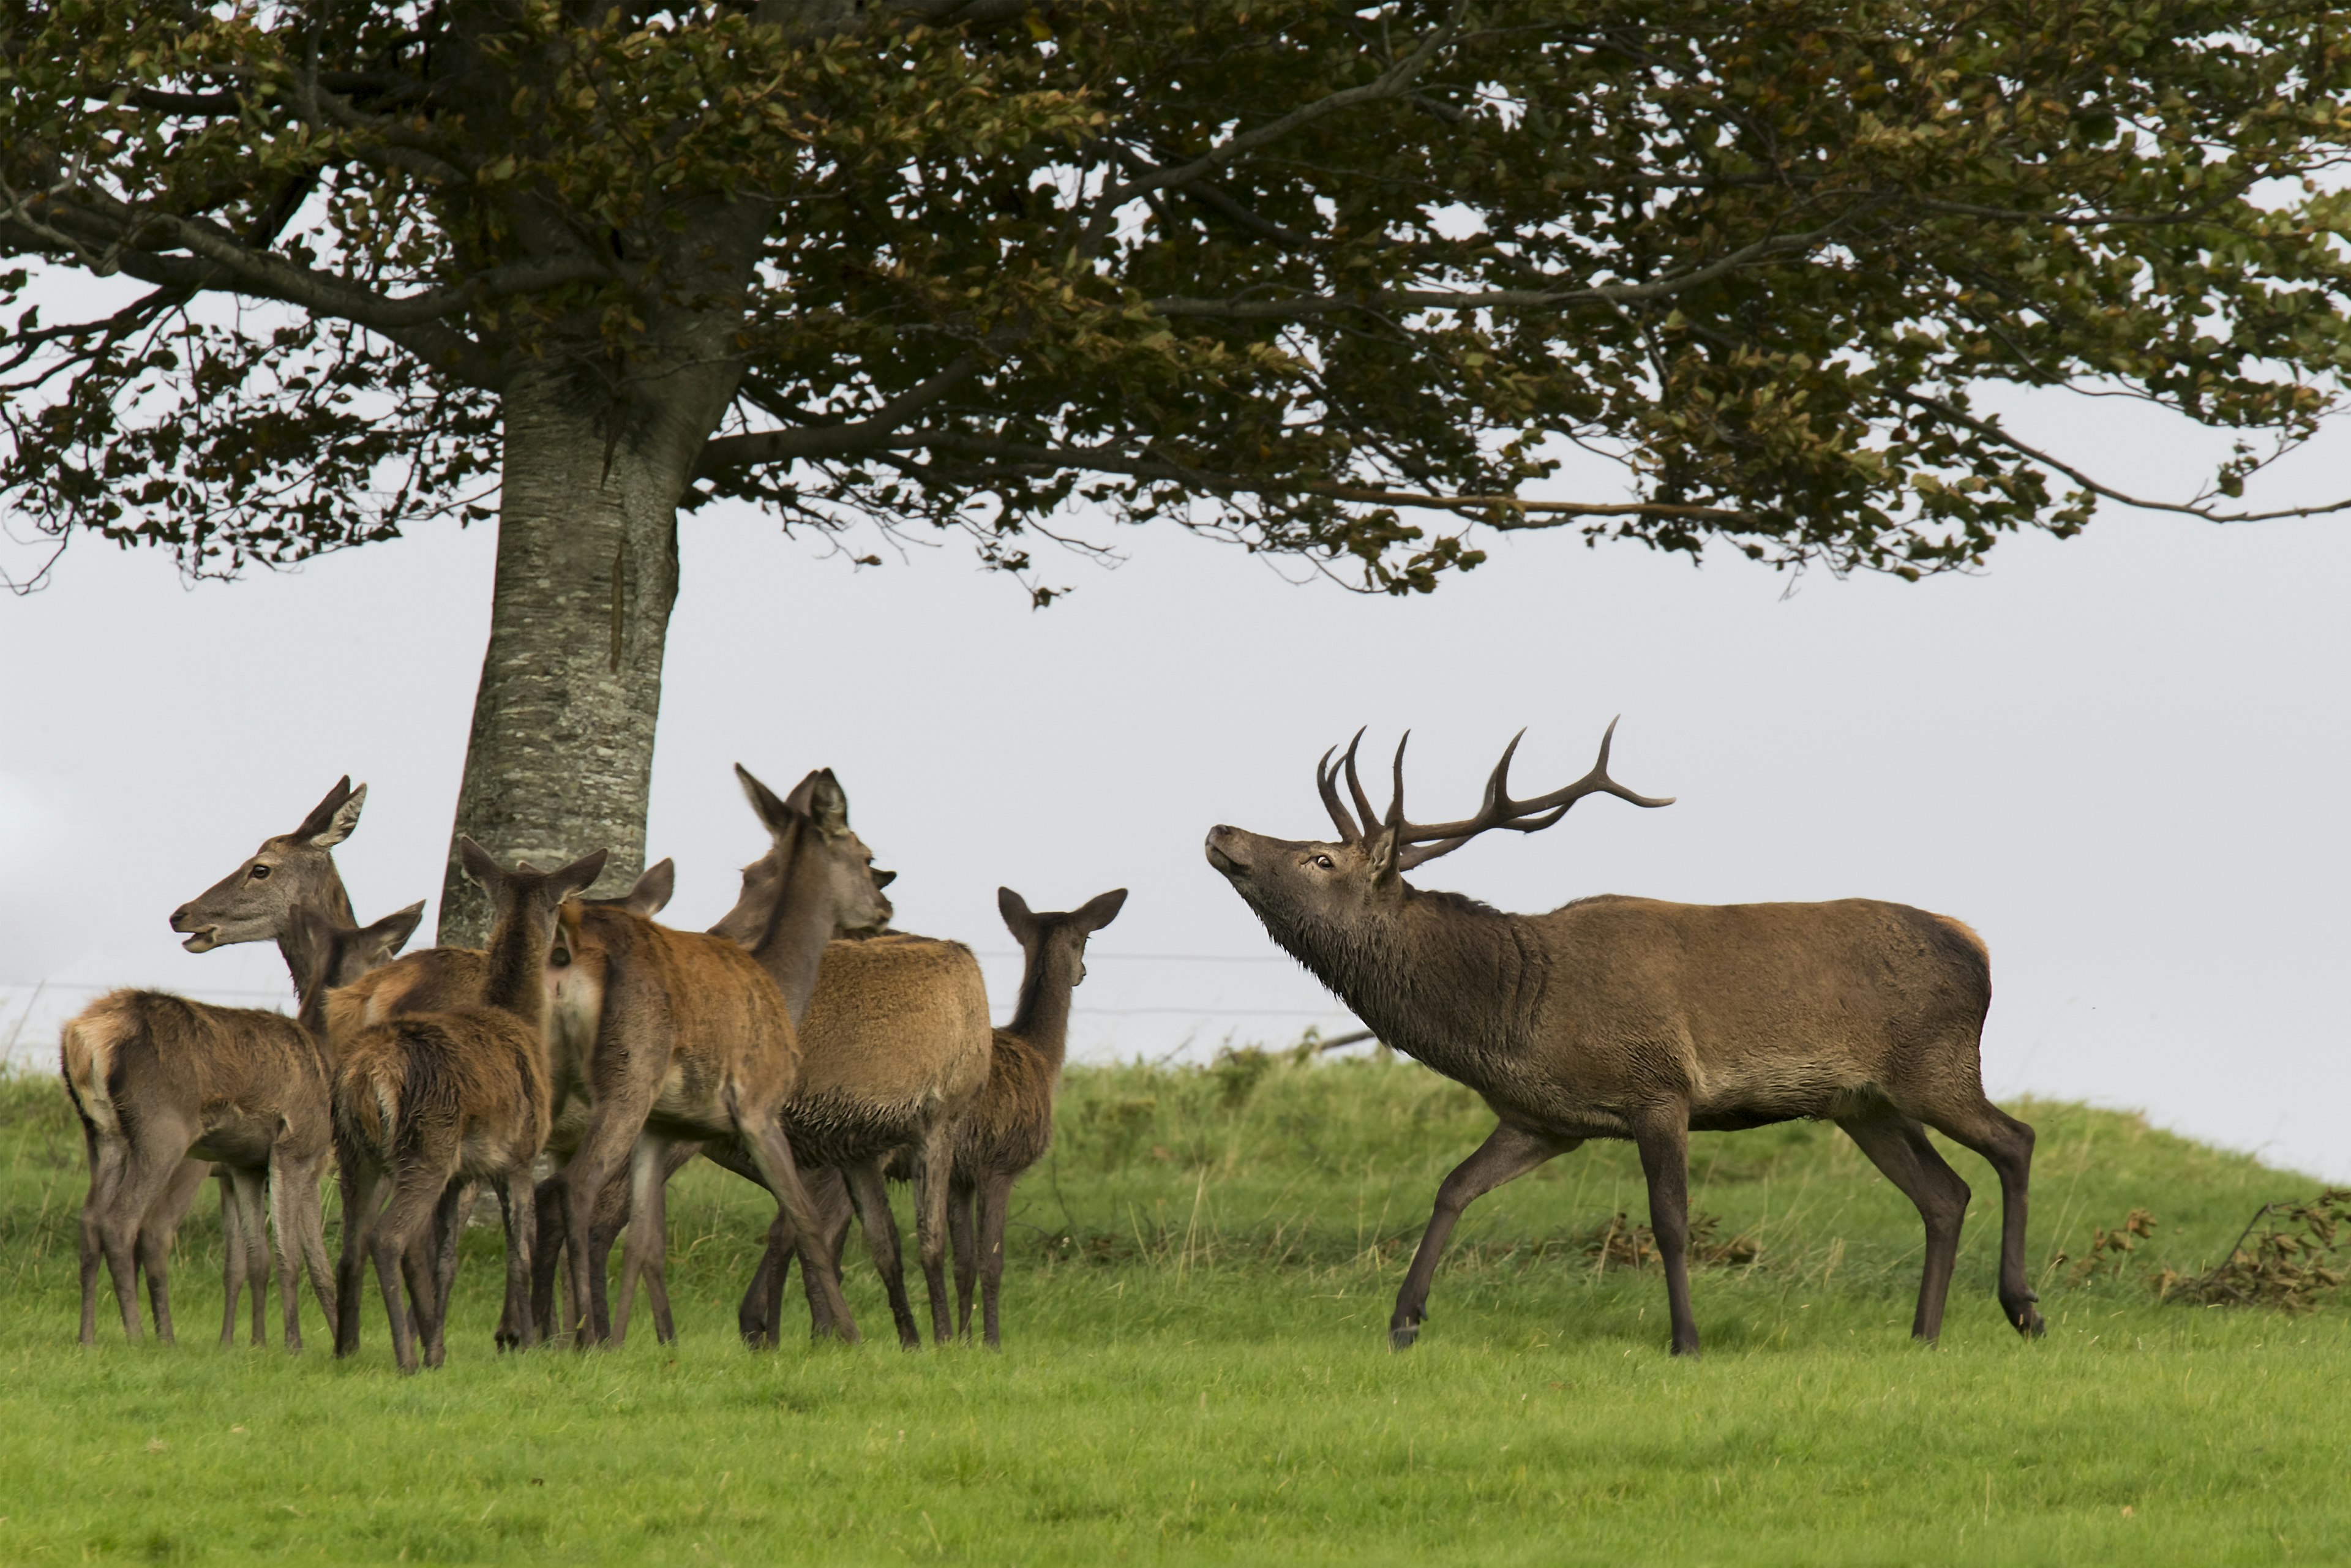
(800, 1035)
(797, 1035)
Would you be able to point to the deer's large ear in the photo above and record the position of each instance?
(390, 934)
(479, 863)
(774, 812)
(1101, 910)
(653, 889)
(563, 884)
(330, 822)
(1380, 848)
(828, 803)
(1017, 918)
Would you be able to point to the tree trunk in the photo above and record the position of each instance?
(561, 759)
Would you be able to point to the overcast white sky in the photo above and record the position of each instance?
(2118, 757)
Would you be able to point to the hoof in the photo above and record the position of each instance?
(1401, 1336)
(2024, 1319)
(1689, 1351)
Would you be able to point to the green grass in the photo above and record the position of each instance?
(1196, 1370)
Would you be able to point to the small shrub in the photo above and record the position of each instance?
(2294, 1264)
(1621, 1244)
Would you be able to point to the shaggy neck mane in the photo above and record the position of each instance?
(1440, 977)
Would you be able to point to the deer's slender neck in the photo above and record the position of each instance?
(1443, 978)
(1042, 1017)
(514, 979)
(337, 904)
(793, 947)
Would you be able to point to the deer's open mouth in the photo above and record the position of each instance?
(203, 939)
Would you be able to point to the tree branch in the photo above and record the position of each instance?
(1990, 431)
(876, 432)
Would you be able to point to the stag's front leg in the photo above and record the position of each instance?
(933, 1174)
(1662, 1134)
(1507, 1154)
(963, 1238)
(870, 1194)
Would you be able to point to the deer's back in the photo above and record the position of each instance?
(223, 1073)
(468, 1083)
(1754, 1010)
(695, 1010)
(1011, 1127)
(896, 1034)
(433, 980)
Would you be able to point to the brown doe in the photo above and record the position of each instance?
(422, 1101)
(679, 1041)
(1012, 1126)
(157, 1079)
(252, 904)
(894, 1049)
(1629, 1018)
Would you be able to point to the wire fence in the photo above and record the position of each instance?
(1164, 1005)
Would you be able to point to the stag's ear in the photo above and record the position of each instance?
(337, 815)
(1381, 849)
(480, 864)
(563, 882)
(652, 890)
(390, 934)
(776, 813)
(1017, 918)
(1100, 910)
(828, 802)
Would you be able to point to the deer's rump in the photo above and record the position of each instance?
(1755, 1012)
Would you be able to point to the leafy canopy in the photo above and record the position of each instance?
(1285, 271)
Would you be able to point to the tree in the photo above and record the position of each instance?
(1284, 271)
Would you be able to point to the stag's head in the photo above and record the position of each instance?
(1310, 892)
(255, 902)
(814, 852)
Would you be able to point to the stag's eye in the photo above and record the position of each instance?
(1325, 861)
(259, 874)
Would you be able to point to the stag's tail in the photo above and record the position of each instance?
(393, 1082)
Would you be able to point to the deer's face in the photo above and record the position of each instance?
(1293, 885)
(255, 902)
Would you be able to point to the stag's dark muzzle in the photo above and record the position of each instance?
(1225, 850)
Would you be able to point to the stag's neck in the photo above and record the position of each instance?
(1443, 978)
(1042, 1017)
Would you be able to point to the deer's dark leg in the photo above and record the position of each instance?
(765, 1142)
(360, 1181)
(233, 1267)
(964, 1238)
(548, 1256)
(518, 1200)
(133, 1197)
(252, 1239)
(1507, 1154)
(2007, 1143)
(933, 1175)
(305, 1181)
(1662, 1135)
(159, 1228)
(286, 1215)
(870, 1194)
(995, 1208)
(1898, 1146)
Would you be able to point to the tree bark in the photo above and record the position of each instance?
(560, 759)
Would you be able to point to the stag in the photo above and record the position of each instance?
(1634, 1019)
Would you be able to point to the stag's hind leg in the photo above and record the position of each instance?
(1899, 1146)
(963, 1237)
(1507, 1154)
(872, 1196)
(2007, 1143)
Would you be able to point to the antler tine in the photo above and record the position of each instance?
(1326, 781)
(1395, 822)
(1355, 785)
(1498, 810)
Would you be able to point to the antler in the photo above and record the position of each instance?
(1498, 810)
(1326, 781)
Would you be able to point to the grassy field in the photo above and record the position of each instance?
(1196, 1370)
